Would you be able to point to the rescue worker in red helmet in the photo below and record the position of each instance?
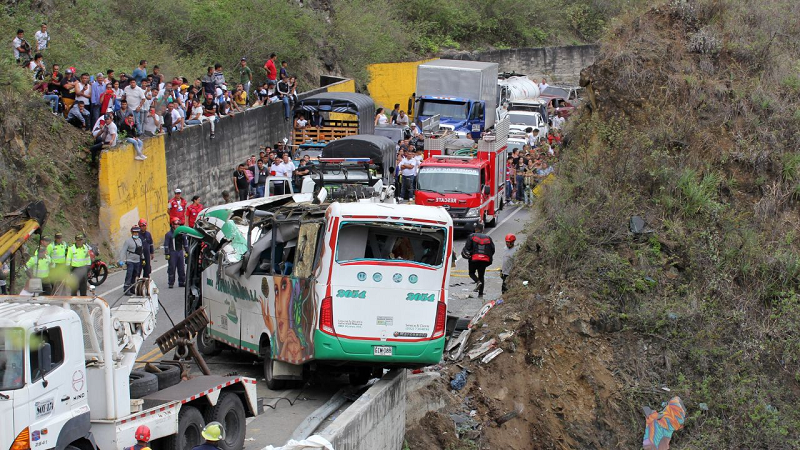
(142, 436)
(479, 251)
(148, 249)
(176, 247)
(176, 208)
(508, 259)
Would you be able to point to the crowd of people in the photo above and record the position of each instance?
(528, 167)
(128, 107)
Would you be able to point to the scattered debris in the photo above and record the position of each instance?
(459, 381)
(505, 335)
(659, 426)
(703, 406)
(311, 443)
(525, 283)
(518, 408)
(459, 345)
(492, 355)
(480, 350)
(485, 309)
(637, 225)
(514, 317)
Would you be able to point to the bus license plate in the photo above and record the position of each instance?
(382, 350)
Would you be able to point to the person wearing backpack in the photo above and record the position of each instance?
(479, 251)
(131, 256)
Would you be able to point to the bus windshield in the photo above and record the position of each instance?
(445, 180)
(454, 110)
(12, 362)
(390, 241)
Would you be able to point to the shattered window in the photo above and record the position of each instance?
(387, 241)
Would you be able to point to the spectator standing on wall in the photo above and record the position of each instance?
(284, 69)
(269, 67)
(245, 75)
(42, 38)
(140, 73)
(98, 87)
(208, 82)
(219, 77)
(283, 94)
(152, 123)
(135, 97)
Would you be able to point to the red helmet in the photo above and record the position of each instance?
(142, 223)
(510, 238)
(143, 433)
(177, 221)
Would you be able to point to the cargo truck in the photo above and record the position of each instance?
(462, 93)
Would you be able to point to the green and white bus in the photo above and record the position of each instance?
(351, 287)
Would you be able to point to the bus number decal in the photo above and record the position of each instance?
(351, 293)
(416, 297)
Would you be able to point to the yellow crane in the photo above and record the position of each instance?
(16, 228)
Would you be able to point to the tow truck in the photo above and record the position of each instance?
(468, 183)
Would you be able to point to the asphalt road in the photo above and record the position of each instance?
(285, 409)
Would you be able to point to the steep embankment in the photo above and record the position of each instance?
(43, 158)
(691, 123)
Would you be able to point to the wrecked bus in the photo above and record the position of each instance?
(348, 287)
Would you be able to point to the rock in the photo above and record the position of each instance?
(583, 328)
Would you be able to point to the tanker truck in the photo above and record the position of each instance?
(518, 98)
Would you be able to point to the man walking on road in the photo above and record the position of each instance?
(508, 259)
(149, 250)
(479, 250)
(131, 256)
(78, 260)
(175, 250)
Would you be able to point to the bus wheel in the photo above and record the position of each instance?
(229, 411)
(208, 345)
(272, 383)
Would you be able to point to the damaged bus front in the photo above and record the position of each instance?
(348, 287)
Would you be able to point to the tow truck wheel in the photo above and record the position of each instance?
(190, 425)
(229, 411)
(272, 383)
(207, 345)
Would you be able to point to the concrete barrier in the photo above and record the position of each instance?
(376, 420)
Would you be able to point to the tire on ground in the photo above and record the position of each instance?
(169, 376)
(207, 345)
(229, 411)
(190, 425)
(142, 383)
(272, 383)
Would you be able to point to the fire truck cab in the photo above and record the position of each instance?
(468, 182)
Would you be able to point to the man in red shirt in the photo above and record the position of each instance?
(193, 210)
(272, 71)
(177, 207)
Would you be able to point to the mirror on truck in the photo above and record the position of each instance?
(487, 190)
(45, 357)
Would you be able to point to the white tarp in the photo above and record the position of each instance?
(311, 443)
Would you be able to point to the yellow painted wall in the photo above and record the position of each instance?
(131, 189)
(344, 86)
(391, 83)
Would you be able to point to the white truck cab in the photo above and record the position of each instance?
(52, 349)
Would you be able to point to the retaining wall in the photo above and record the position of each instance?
(189, 160)
(376, 420)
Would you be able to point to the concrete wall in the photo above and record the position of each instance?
(561, 65)
(130, 190)
(191, 161)
(392, 83)
(376, 420)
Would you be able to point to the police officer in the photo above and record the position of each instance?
(38, 266)
(213, 433)
(175, 249)
(78, 261)
(131, 256)
(149, 250)
(57, 251)
(479, 249)
(142, 437)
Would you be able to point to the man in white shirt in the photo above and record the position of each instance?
(543, 85)
(83, 90)
(135, 97)
(402, 119)
(21, 46)
(105, 135)
(176, 116)
(408, 170)
(42, 38)
(532, 137)
(558, 121)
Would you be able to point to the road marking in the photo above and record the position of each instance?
(120, 286)
(519, 208)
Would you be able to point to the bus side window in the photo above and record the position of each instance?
(262, 252)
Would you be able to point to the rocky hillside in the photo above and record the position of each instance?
(691, 125)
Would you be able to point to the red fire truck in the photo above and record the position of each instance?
(468, 182)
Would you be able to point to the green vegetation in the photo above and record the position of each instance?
(695, 130)
(333, 36)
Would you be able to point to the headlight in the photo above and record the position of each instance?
(473, 212)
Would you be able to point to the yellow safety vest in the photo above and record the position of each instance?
(57, 252)
(78, 257)
(40, 266)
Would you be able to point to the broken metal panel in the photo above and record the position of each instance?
(306, 249)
